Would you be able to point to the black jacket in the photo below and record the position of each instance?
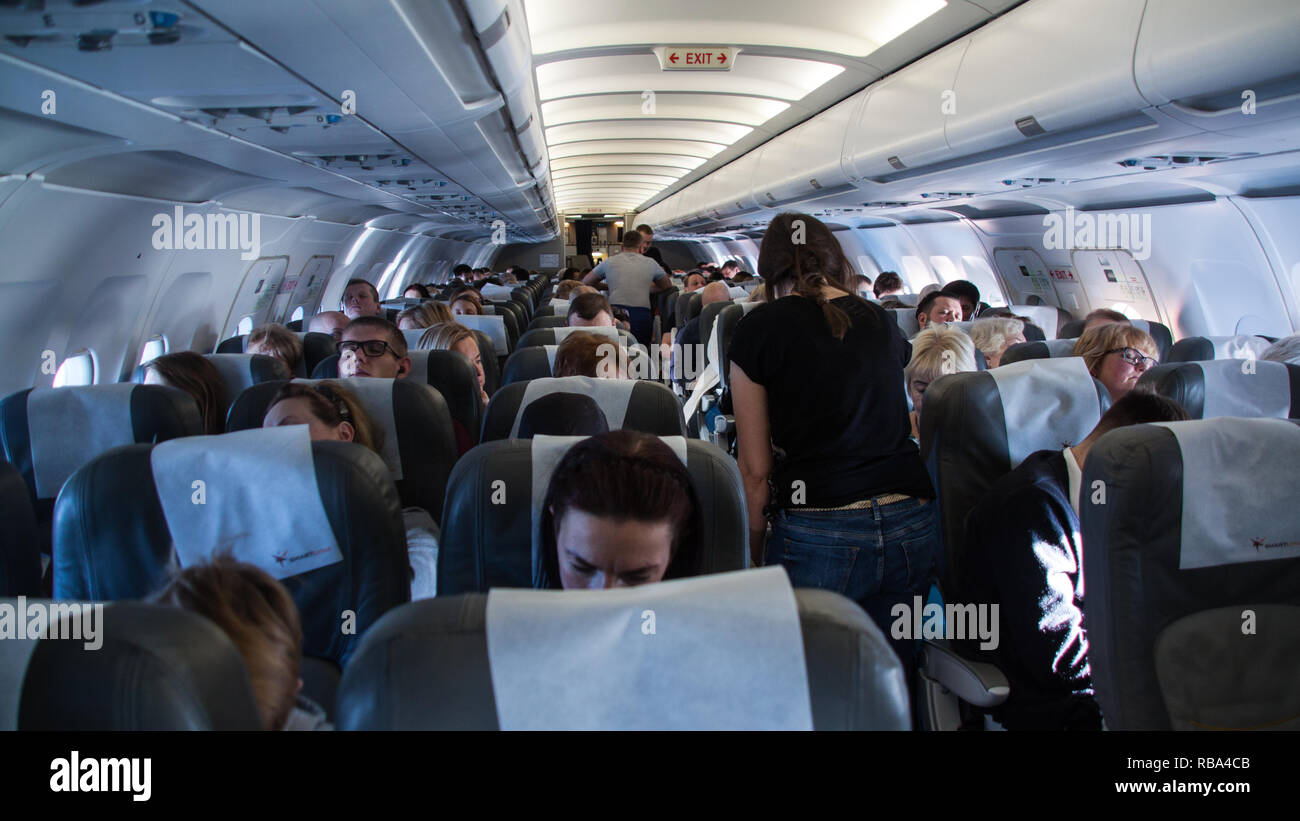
(1023, 551)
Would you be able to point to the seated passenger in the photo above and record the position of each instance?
(993, 336)
(424, 315)
(1022, 551)
(887, 283)
(276, 341)
(332, 413)
(329, 322)
(936, 351)
(1103, 316)
(453, 336)
(562, 414)
(690, 332)
(937, 306)
(620, 511)
(621, 319)
(466, 302)
(190, 372)
(373, 347)
(863, 283)
(593, 355)
(1286, 349)
(759, 294)
(565, 289)
(360, 298)
(968, 294)
(589, 311)
(415, 291)
(693, 282)
(260, 618)
(1117, 354)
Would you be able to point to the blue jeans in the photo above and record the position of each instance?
(642, 321)
(878, 557)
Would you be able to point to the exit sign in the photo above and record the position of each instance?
(697, 58)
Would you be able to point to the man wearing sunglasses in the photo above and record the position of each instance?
(372, 346)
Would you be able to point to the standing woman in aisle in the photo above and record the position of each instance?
(817, 378)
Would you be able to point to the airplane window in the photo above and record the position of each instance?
(245, 326)
(297, 314)
(76, 370)
(153, 348)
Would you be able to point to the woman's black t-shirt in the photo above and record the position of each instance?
(837, 408)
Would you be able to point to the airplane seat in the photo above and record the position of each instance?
(709, 316)
(1033, 333)
(451, 374)
(533, 362)
(234, 344)
(158, 668)
(513, 321)
(494, 326)
(546, 310)
(50, 432)
(490, 537)
(688, 307)
(1206, 348)
(315, 347)
(295, 325)
(1193, 605)
(1164, 339)
(431, 665)
(1047, 319)
(547, 322)
(240, 370)
(905, 318)
(976, 427)
(554, 336)
(640, 404)
(412, 420)
(906, 299)
(491, 364)
(20, 553)
(129, 516)
(666, 305)
(327, 368)
(1229, 387)
(1047, 349)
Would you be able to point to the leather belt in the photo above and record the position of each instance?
(863, 504)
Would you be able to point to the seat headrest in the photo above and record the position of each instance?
(452, 375)
(554, 336)
(1205, 348)
(50, 432)
(547, 322)
(495, 481)
(1164, 339)
(241, 370)
(905, 318)
(156, 668)
(977, 426)
(1048, 318)
(1047, 349)
(427, 666)
(533, 362)
(562, 414)
(1229, 387)
(112, 538)
(627, 404)
(495, 328)
(20, 559)
(419, 443)
(1177, 538)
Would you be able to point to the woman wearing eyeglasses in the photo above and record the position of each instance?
(1117, 354)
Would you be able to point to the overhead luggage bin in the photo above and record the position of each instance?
(1031, 73)
(732, 193)
(901, 124)
(807, 160)
(1196, 59)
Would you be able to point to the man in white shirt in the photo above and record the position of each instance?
(631, 279)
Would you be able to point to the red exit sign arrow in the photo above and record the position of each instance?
(696, 58)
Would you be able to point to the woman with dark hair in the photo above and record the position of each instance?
(817, 376)
(331, 412)
(198, 377)
(620, 511)
(415, 291)
(466, 301)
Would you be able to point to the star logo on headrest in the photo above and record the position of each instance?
(1257, 543)
(280, 558)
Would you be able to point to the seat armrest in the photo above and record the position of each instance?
(975, 682)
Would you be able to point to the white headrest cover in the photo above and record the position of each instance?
(611, 395)
(258, 500)
(67, 427)
(1238, 491)
(376, 398)
(1249, 388)
(1044, 316)
(1048, 404)
(493, 326)
(1238, 347)
(716, 652)
(499, 293)
(602, 330)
